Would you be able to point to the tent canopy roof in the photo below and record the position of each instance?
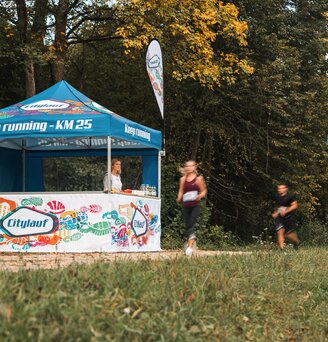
(61, 117)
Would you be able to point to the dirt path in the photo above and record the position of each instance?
(16, 261)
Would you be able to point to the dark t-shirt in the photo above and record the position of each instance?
(286, 201)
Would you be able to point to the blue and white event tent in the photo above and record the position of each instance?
(61, 121)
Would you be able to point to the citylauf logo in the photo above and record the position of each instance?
(139, 222)
(45, 104)
(154, 62)
(25, 221)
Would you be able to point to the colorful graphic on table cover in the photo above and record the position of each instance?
(37, 223)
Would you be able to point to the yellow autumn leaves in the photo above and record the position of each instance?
(201, 39)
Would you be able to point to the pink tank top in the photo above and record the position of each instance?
(190, 192)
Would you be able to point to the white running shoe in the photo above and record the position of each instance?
(189, 251)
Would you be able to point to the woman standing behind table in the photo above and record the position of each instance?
(191, 190)
(115, 177)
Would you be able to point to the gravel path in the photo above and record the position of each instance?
(17, 261)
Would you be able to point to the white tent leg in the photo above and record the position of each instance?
(109, 163)
(23, 165)
(159, 174)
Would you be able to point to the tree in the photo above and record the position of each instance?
(44, 30)
(10, 68)
(205, 36)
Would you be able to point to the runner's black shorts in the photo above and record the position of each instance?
(286, 222)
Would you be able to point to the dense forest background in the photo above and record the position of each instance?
(246, 89)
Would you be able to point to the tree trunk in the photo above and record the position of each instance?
(29, 77)
(60, 43)
(196, 146)
(22, 25)
(38, 33)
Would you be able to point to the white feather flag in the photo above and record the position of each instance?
(154, 64)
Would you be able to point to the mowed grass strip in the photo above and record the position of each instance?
(257, 297)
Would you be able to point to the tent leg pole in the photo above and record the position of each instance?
(109, 163)
(159, 188)
(23, 166)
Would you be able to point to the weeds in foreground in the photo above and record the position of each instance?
(263, 296)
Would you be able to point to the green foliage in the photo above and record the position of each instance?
(217, 298)
(314, 232)
(74, 174)
(87, 173)
(171, 217)
(11, 69)
(215, 237)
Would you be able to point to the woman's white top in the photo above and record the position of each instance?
(116, 182)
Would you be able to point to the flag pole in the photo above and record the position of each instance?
(154, 65)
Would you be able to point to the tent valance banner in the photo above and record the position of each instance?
(154, 65)
(62, 112)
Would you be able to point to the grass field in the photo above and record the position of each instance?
(265, 296)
